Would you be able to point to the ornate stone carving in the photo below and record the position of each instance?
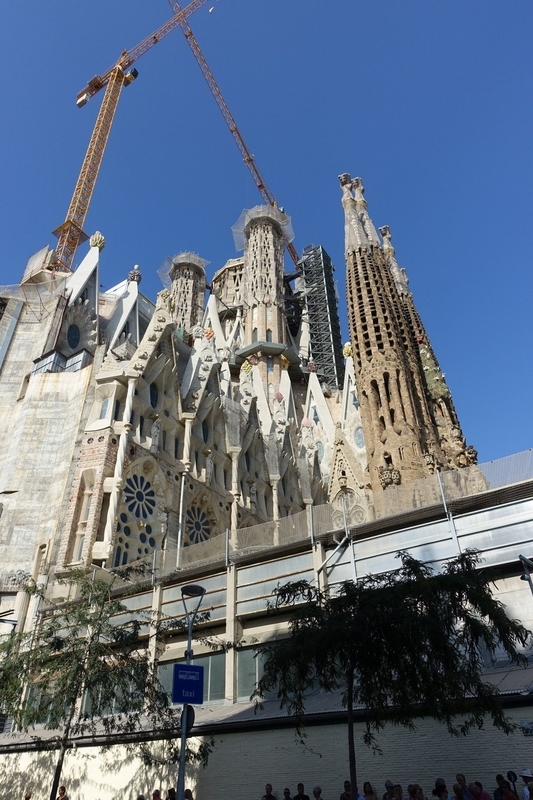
(135, 275)
(385, 477)
(97, 240)
(471, 455)
(396, 476)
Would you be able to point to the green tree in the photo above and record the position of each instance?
(86, 669)
(400, 645)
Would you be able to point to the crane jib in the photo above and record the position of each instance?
(128, 57)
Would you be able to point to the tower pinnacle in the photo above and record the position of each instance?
(355, 235)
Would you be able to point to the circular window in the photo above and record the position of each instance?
(197, 525)
(359, 438)
(73, 336)
(139, 496)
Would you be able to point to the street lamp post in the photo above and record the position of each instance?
(192, 595)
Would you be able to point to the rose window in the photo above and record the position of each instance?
(197, 525)
(139, 497)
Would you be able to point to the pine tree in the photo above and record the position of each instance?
(401, 645)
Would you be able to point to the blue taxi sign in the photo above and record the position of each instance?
(188, 684)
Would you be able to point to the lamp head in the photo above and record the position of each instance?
(192, 590)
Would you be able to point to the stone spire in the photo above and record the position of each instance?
(400, 276)
(399, 427)
(439, 398)
(410, 424)
(361, 205)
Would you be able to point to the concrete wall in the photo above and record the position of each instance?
(243, 762)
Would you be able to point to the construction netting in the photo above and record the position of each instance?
(261, 212)
(187, 257)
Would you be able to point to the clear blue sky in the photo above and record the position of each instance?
(429, 102)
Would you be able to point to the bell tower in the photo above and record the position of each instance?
(407, 422)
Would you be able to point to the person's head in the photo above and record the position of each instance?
(171, 793)
(156, 794)
(286, 793)
(188, 794)
(347, 786)
(367, 788)
(27, 796)
(62, 791)
(268, 788)
(389, 786)
(474, 789)
(461, 780)
(417, 794)
(398, 790)
(317, 791)
(300, 788)
(141, 797)
(500, 780)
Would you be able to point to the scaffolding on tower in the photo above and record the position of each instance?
(323, 315)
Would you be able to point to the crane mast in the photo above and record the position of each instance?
(70, 234)
(247, 156)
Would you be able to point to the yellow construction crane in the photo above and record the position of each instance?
(247, 156)
(70, 234)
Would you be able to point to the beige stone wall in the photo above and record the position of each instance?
(243, 762)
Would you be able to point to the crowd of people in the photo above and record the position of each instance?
(460, 790)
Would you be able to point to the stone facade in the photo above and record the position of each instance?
(199, 438)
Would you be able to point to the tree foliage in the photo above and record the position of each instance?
(86, 670)
(399, 645)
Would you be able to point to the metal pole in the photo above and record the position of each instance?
(180, 789)
(449, 516)
(180, 519)
(190, 590)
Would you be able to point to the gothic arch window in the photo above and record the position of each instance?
(139, 528)
(197, 526)
(154, 395)
(139, 496)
